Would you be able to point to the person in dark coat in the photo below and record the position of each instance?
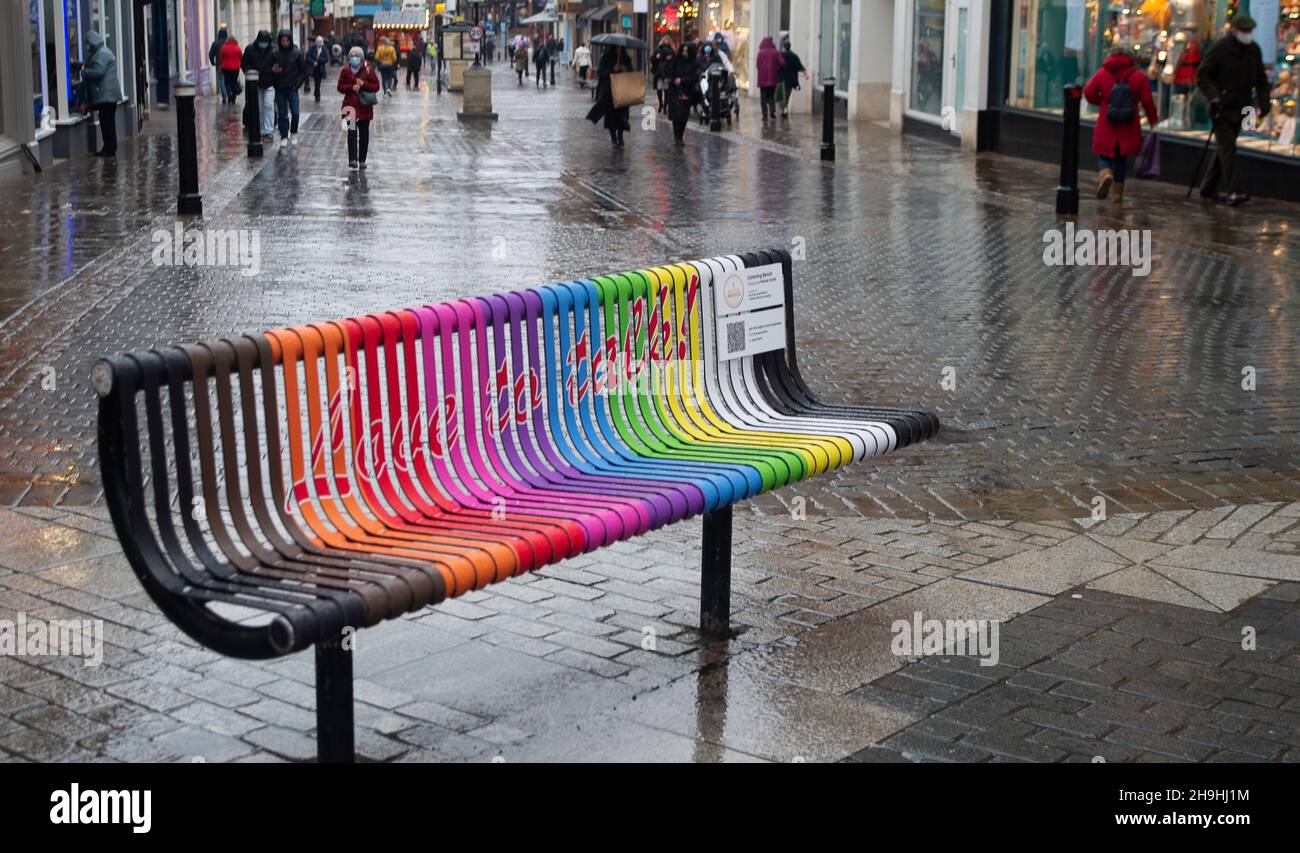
(288, 70)
(357, 76)
(541, 59)
(259, 56)
(662, 68)
(318, 60)
(414, 62)
(683, 90)
(1115, 143)
(214, 59)
(1232, 77)
(790, 71)
(612, 61)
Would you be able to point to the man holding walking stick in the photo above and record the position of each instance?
(1232, 77)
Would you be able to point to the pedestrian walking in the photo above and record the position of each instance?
(541, 59)
(582, 61)
(683, 90)
(769, 63)
(1232, 77)
(259, 57)
(491, 49)
(661, 67)
(360, 86)
(521, 63)
(318, 60)
(1122, 92)
(553, 49)
(289, 69)
(102, 89)
(386, 59)
(230, 59)
(414, 62)
(612, 61)
(214, 59)
(791, 68)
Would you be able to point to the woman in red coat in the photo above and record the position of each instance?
(230, 57)
(1115, 143)
(356, 77)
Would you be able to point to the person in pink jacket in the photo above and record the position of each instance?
(769, 63)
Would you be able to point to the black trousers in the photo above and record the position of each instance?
(1224, 174)
(767, 99)
(412, 73)
(359, 141)
(108, 126)
(231, 76)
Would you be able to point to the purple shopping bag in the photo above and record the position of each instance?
(1148, 162)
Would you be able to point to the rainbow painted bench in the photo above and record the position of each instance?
(283, 490)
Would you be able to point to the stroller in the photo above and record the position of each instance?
(728, 99)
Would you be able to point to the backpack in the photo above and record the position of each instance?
(1121, 108)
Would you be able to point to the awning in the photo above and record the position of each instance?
(604, 13)
(546, 16)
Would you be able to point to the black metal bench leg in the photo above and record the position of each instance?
(715, 574)
(334, 744)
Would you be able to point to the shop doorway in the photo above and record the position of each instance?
(957, 26)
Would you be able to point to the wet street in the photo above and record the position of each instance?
(919, 282)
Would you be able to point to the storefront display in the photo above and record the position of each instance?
(927, 56)
(731, 18)
(1058, 42)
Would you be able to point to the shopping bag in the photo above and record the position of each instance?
(627, 88)
(1148, 162)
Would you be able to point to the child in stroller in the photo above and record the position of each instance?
(715, 65)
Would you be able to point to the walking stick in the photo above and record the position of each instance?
(1196, 176)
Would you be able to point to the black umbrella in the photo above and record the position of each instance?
(618, 40)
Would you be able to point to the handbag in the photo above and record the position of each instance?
(367, 99)
(1148, 161)
(627, 88)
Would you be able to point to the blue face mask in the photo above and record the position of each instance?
(354, 64)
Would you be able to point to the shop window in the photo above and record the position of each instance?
(1055, 43)
(36, 24)
(927, 56)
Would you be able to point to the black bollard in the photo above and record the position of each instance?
(828, 119)
(715, 99)
(253, 113)
(1067, 193)
(188, 201)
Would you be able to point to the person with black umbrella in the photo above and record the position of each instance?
(1232, 77)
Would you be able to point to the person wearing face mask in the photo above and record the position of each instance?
(1232, 78)
(358, 82)
(260, 57)
(289, 70)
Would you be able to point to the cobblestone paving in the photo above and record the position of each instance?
(1070, 383)
(1120, 638)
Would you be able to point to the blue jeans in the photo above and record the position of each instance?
(221, 81)
(1117, 165)
(286, 102)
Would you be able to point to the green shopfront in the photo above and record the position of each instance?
(1039, 47)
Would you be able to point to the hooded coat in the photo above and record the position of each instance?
(1122, 139)
(768, 61)
(260, 59)
(290, 61)
(100, 73)
(318, 59)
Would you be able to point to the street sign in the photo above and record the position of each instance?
(476, 33)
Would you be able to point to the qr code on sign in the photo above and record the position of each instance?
(735, 336)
